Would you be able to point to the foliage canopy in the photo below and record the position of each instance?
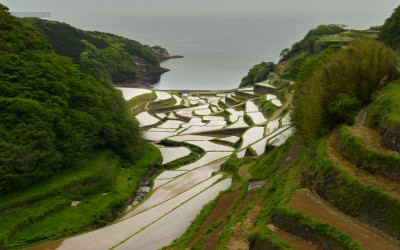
(52, 114)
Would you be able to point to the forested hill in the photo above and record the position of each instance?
(105, 56)
(51, 113)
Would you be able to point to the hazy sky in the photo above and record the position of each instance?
(199, 5)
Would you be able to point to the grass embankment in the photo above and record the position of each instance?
(141, 99)
(386, 165)
(163, 103)
(385, 109)
(384, 114)
(101, 183)
(368, 204)
(266, 106)
(274, 198)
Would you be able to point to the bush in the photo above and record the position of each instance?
(390, 31)
(343, 83)
(258, 73)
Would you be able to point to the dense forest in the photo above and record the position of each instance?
(51, 113)
(103, 55)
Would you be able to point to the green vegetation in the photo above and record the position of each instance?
(258, 73)
(51, 114)
(233, 163)
(266, 165)
(365, 158)
(267, 107)
(141, 99)
(309, 43)
(105, 56)
(317, 232)
(102, 185)
(385, 110)
(390, 31)
(324, 37)
(340, 86)
(163, 103)
(367, 203)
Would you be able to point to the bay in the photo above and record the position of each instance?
(218, 48)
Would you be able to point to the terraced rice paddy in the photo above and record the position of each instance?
(129, 93)
(251, 107)
(231, 139)
(173, 153)
(145, 119)
(179, 194)
(240, 123)
(161, 95)
(252, 135)
(210, 146)
(257, 117)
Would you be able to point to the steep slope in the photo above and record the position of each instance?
(51, 114)
(105, 56)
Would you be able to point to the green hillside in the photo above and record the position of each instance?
(335, 184)
(105, 56)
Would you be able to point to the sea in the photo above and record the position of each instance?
(218, 48)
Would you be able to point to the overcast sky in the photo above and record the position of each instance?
(200, 5)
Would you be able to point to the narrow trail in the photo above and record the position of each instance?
(240, 231)
(279, 111)
(370, 138)
(309, 204)
(211, 240)
(294, 241)
(390, 187)
(292, 155)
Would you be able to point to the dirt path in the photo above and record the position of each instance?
(292, 155)
(306, 202)
(240, 231)
(211, 240)
(219, 210)
(390, 187)
(293, 241)
(370, 138)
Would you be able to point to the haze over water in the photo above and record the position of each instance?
(218, 47)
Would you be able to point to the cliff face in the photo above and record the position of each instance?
(146, 75)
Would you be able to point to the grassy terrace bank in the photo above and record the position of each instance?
(102, 184)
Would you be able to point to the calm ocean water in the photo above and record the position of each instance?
(218, 49)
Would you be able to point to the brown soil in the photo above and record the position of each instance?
(240, 231)
(211, 239)
(370, 138)
(48, 246)
(390, 187)
(294, 241)
(220, 209)
(306, 202)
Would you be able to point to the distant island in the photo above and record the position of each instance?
(31, 14)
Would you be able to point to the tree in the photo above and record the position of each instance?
(390, 31)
